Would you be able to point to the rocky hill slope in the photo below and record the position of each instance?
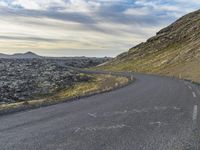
(174, 51)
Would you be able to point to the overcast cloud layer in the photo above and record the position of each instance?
(84, 27)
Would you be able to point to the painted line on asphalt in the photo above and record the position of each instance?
(194, 95)
(77, 129)
(189, 87)
(92, 115)
(98, 128)
(194, 116)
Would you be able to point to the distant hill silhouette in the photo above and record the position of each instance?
(27, 55)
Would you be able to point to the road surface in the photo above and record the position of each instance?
(153, 113)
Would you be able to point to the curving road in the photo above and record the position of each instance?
(153, 113)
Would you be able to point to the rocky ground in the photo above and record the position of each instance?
(25, 79)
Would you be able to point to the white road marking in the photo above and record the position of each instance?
(165, 108)
(92, 115)
(160, 108)
(120, 112)
(144, 110)
(77, 129)
(176, 108)
(108, 114)
(117, 126)
(189, 87)
(194, 116)
(194, 95)
(159, 124)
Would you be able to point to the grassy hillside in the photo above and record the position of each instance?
(174, 51)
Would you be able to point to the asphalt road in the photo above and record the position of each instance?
(153, 113)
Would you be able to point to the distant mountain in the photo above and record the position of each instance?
(28, 55)
(174, 51)
(3, 55)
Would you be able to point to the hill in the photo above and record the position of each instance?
(28, 55)
(80, 62)
(174, 51)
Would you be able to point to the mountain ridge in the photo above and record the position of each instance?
(27, 55)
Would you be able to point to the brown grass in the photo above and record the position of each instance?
(100, 83)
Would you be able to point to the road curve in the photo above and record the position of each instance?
(153, 113)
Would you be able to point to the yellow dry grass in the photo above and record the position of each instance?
(100, 83)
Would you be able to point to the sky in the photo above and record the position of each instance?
(84, 27)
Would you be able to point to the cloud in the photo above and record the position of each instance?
(37, 4)
(25, 38)
(96, 26)
(137, 11)
(175, 8)
(3, 4)
(81, 6)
